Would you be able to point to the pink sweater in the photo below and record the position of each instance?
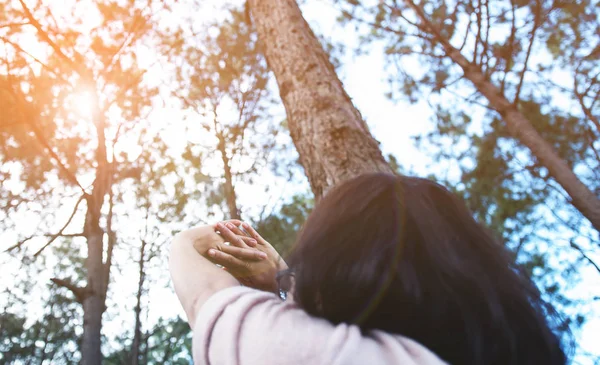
(243, 326)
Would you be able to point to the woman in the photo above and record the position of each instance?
(387, 270)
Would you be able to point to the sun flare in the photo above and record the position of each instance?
(82, 104)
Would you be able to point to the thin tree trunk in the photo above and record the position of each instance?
(230, 196)
(137, 336)
(581, 196)
(93, 304)
(97, 278)
(332, 139)
(145, 353)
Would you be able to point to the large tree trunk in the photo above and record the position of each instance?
(332, 139)
(582, 197)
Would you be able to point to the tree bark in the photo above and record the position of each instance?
(93, 304)
(332, 139)
(230, 197)
(581, 196)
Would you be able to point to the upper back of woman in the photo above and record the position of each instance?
(244, 326)
(405, 256)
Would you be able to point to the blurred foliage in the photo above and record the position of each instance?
(168, 342)
(281, 228)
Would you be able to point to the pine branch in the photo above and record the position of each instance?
(129, 39)
(46, 37)
(20, 49)
(536, 25)
(67, 235)
(511, 45)
(586, 111)
(478, 35)
(79, 292)
(27, 115)
(19, 244)
(585, 256)
(60, 232)
(13, 24)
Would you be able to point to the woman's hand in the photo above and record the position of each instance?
(258, 274)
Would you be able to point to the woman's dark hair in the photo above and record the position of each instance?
(404, 255)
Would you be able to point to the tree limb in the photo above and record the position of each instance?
(536, 24)
(586, 111)
(20, 49)
(586, 201)
(46, 37)
(464, 41)
(30, 120)
(60, 232)
(485, 41)
(67, 235)
(79, 292)
(13, 24)
(388, 29)
(585, 256)
(478, 35)
(511, 45)
(19, 244)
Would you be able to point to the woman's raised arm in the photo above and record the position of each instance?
(195, 278)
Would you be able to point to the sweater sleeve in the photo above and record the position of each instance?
(243, 326)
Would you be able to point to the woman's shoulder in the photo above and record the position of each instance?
(249, 327)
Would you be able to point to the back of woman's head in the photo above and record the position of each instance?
(404, 255)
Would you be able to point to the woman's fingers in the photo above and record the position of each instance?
(235, 228)
(253, 233)
(244, 253)
(231, 237)
(236, 222)
(249, 241)
(232, 263)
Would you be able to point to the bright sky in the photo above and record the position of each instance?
(392, 124)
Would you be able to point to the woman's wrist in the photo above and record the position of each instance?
(281, 264)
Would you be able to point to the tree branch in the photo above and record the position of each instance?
(585, 256)
(13, 24)
(30, 118)
(19, 244)
(46, 37)
(485, 41)
(67, 235)
(388, 29)
(478, 35)
(464, 41)
(536, 24)
(79, 292)
(60, 232)
(20, 49)
(586, 111)
(511, 45)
